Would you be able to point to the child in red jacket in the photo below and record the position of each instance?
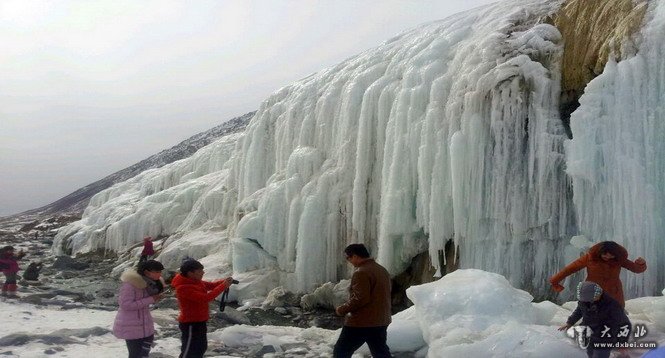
(148, 249)
(9, 266)
(193, 296)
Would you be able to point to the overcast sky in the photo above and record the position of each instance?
(90, 87)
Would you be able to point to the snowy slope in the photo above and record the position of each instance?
(450, 131)
(76, 202)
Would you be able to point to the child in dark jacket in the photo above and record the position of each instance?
(193, 296)
(32, 272)
(9, 264)
(603, 315)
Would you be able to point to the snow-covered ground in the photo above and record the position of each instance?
(468, 313)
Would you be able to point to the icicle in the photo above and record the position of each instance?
(617, 157)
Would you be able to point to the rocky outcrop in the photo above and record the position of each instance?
(594, 30)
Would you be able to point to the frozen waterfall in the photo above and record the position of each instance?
(617, 156)
(450, 131)
(396, 149)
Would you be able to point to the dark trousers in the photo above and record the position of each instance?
(139, 348)
(9, 287)
(194, 339)
(10, 278)
(143, 258)
(597, 353)
(353, 338)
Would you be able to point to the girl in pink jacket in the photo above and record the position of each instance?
(133, 323)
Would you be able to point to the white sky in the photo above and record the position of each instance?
(88, 88)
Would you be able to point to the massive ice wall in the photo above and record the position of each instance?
(447, 132)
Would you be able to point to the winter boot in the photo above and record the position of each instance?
(5, 288)
(11, 290)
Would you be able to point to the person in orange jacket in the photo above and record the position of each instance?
(193, 296)
(603, 263)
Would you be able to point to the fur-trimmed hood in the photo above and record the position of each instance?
(132, 277)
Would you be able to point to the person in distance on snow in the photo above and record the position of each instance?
(133, 323)
(603, 265)
(193, 296)
(367, 313)
(32, 271)
(148, 249)
(9, 265)
(603, 315)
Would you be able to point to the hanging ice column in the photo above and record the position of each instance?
(448, 131)
(510, 195)
(490, 159)
(617, 156)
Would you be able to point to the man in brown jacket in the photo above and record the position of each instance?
(367, 312)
